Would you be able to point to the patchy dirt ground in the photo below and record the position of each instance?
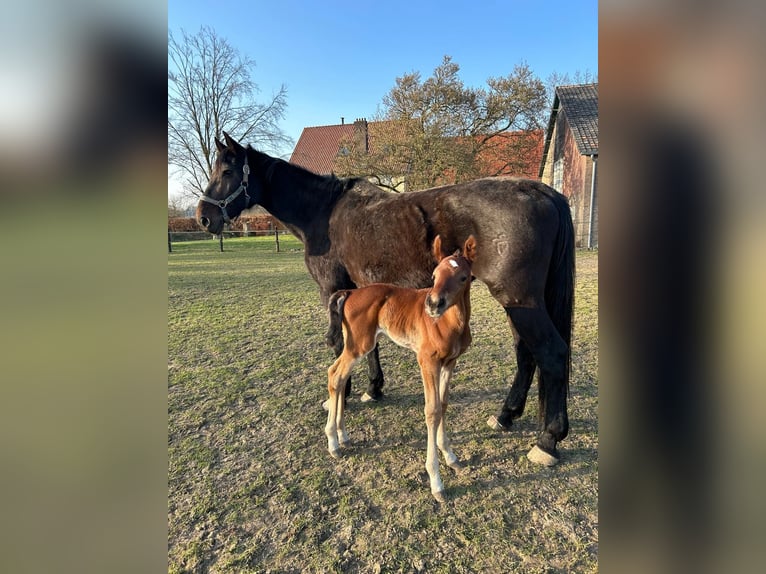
(252, 488)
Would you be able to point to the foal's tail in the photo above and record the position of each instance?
(334, 337)
(559, 288)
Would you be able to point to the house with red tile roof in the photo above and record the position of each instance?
(321, 149)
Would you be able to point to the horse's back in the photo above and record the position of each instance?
(386, 237)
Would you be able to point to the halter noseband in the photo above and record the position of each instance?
(225, 202)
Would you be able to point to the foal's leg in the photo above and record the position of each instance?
(337, 347)
(514, 404)
(335, 429)
(442, 440)
(550, 352)
(429, 370)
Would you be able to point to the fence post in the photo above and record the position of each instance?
(220, 241)
(276, 237)
(170, 246)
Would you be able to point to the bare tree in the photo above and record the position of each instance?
(559, 79)
(211, 90)
(439, 131)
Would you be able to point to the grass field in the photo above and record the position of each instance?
(253, 489)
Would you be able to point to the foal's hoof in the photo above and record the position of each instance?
(539, 456)
(494, 424)
(457, 466)
(336, 454)
(366, 398)
(439, 496)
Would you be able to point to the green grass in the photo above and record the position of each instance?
(252, 488)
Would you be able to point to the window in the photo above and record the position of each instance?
(558, 175)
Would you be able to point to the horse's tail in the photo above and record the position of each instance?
(334, 337)
(559, 288)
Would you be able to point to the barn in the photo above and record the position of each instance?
(570, 156)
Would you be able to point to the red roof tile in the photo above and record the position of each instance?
(318, 146)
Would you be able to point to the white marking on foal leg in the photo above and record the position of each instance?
(442, 439)
(331, 428)
(340, 422)
(432, 458)
(445, 445)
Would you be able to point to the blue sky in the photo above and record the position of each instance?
(340, 57)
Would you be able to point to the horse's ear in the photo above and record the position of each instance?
(231, 143)
(469, 249)
(219, 146)
(437, 248)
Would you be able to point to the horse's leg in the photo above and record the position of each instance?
(375, 386)
(429, 370)
(514, 404)
(335, 428)
(442, 440)
(551, 355)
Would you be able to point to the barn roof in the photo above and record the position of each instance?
(580, 105)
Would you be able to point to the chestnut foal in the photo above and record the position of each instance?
(432, 322)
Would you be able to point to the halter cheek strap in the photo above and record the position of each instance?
(223, 203)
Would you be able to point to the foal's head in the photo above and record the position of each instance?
(452, 276)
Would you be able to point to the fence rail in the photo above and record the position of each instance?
(181, 236)
(581, 236)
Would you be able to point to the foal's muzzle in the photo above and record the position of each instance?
(435, 306)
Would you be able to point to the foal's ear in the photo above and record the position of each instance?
(437, 249)
(469, 249)
(219, 146)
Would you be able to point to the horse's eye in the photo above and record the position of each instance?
(462, 279)
(227, 172)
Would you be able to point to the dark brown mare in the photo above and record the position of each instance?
(356, 234)
(435, 323)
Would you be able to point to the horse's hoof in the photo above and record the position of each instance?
(457, 466)
(494, 424)
(439, 496)
(539, 456)
(345, 444)
(336, 454)
(366, 398)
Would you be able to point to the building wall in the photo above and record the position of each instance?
(570, 174)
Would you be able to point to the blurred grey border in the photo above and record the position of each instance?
(83, 410)
(682, 277)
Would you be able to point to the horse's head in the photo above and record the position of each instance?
(452, 276)
(226, 195)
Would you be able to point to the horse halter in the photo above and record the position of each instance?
(223, 203)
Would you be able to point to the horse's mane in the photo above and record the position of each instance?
(327, 183)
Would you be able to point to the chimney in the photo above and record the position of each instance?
(342, 121)
(361, 136)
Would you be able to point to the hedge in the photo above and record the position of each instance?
(264, 222)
